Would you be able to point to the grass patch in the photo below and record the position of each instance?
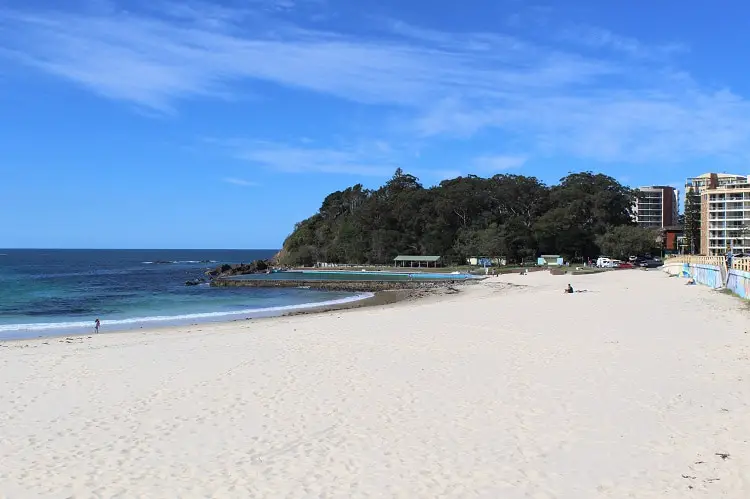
(745, 303)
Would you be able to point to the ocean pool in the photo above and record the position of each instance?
(341, 275)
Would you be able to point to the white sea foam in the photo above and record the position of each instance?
(156, 320)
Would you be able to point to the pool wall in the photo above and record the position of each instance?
(385, 274)
(341, 285)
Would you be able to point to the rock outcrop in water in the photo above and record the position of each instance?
(232, 269)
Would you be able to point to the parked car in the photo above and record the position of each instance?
(625, 265)
(650, 264)
(604, 262)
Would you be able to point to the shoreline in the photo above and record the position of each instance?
(382, 298)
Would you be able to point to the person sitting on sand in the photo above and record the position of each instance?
(569, 289)
(690, 281)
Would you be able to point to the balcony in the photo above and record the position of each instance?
(726, 209)
(730, 215)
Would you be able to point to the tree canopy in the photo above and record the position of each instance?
(692, 221)
(625, 240)
(514, 216)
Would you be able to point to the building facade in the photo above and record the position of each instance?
(673, 239)
(725, 217)
(712, 181)
(699, 186)
(656, 206)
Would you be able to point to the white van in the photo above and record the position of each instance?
(604, 262)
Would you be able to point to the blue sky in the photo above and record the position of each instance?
(164, 124)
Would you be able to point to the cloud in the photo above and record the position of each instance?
(624, 126)
(365, 159)
(621, 104)
(153, 61)
(240, 182)
(598, 38)
(350, 160)
(529, 16)
(492, 164)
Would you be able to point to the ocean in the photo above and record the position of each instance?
(54, 292)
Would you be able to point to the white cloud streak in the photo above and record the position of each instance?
(152, 61)
(598, 38)
(240, 182)
(553, 101)
(497, 163)
(349, 160)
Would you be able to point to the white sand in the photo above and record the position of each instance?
(627, 391)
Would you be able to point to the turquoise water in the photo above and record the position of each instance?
(51, 292)
(335, 275)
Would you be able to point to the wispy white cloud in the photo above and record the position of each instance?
(529, 15)
(153, 62)
(240, 182)
(626, 106)
(627, 126)
(497, 163)
(598, 38)
(280, 157)
(365, 159)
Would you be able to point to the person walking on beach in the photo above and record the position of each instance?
(96, 325)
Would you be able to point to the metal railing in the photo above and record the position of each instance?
(737, 263)
(697, 260)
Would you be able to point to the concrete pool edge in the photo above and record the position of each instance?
(342, 285)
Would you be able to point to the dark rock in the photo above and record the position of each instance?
(228, 270)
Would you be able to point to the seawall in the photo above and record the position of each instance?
(712, 272)
(353, 286)
(705, 274)
(738, 282)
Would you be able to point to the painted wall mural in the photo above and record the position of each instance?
(708, 275)
(738, 283)
(713, 276)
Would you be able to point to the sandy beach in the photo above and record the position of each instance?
(509, 389)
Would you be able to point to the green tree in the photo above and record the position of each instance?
(692, 221)
(625, 240)
(507, 215)
(583, 207)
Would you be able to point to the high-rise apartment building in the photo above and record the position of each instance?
(713, 181)
(725, 215)
(697, 186)
(656, 206)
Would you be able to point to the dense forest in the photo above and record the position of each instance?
(514, 216)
